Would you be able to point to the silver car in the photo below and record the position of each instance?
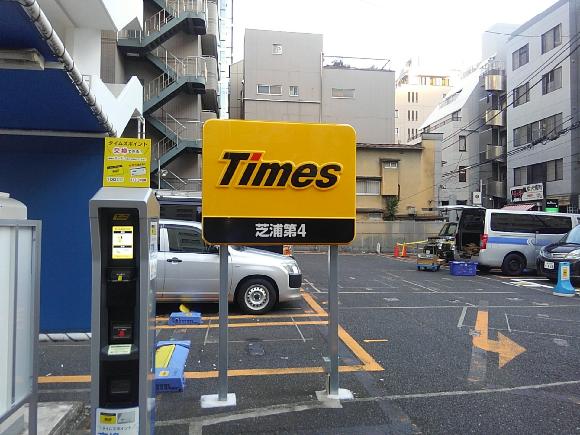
(188, 270)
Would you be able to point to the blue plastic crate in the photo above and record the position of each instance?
(179, 318)
(170, 378)
(463, 268)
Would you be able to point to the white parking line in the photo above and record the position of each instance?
(419, 285)
(462, 317)
(312, 285)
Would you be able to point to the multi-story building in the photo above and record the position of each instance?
(543, 84)
(459, 146)
(176, 58)
(418, 91)
(283, 77)
(472, 119)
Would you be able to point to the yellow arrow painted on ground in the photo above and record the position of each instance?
(506, 348)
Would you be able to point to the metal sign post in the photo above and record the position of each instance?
(333, 319)
(223, 398)
(278, 183)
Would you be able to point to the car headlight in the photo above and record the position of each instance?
(291, 268)
(574, 255)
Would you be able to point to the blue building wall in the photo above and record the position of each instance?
(55, 178)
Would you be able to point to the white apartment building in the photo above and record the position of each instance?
(459, 147)
(418, 91)
(542, 76)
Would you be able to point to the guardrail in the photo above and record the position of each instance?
(19, 318)
(192, 66)
(173, 9)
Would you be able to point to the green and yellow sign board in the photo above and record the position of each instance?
(127, 162)
(278, 183)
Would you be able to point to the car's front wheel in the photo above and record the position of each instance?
(256, 296)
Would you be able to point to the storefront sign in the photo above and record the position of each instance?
(278, 183)
(552, 205)
(528, 192)
(127, 162)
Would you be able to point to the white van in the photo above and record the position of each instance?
(506, 239)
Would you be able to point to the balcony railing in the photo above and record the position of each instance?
(173, 9)
(495, 117)
(193, 66)
(496, 188)
(494, 152)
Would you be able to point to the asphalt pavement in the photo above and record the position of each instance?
(422, 352)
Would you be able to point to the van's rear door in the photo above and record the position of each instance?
(470, 228)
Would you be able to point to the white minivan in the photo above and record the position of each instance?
(508, 239)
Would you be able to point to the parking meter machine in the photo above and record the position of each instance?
(124, 228)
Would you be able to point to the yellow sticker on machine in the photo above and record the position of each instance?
(127, 162)
(108, 418)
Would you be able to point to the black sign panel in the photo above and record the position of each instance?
(270, 231)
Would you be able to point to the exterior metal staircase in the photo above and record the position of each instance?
(189, 74)
(175, 15)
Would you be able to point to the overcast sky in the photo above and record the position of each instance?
(443, 33)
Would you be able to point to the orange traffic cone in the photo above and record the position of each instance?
(396, 251)
(404, 251)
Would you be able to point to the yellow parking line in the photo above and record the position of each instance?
(244, 325)
(314, 305)
(368, 362)
(282, 371)
(64, 379)
(381, 340)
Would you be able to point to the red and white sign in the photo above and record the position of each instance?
(528, 192)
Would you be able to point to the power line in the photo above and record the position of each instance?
(510, 93)
(519, 34)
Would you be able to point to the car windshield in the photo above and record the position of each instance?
(573, 236)
(448, 229)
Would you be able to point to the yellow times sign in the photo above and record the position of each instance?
(126, 162)
(278, 183)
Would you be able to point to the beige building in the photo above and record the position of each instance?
(418, 91)
(402, 171)
(283, 78)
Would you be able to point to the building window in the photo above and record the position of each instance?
(293, 91)
(462, 174)
(342, 93)
(522, 94)
(390, 165)
(408, 97)
(522, 135)
(520, 57)
(375, 216)
(552, 81)
(416, 97)
(456, 116)
(276, 48)
(520, 176)
(554, 170)
(396, 113)
(396, 131)
(462, 144)
(368, 187)
(552, 38)
(270, 89)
